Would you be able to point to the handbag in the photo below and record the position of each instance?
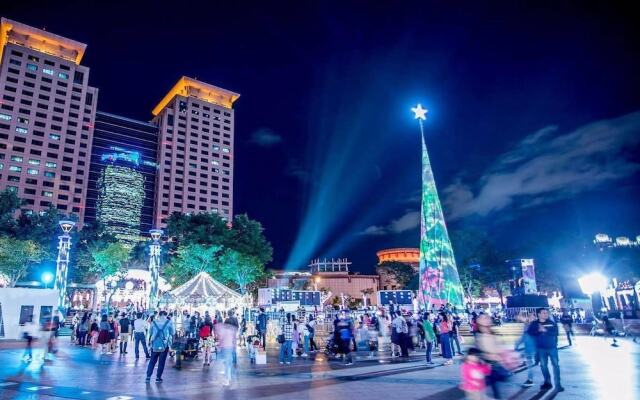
(280, 338)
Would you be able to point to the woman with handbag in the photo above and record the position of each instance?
(445, 338)
(491, 353)
(285, 338)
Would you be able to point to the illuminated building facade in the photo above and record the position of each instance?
(122, 175)
(47, 115)
(195, 150)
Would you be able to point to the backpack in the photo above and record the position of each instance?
(205, 331)
(159, 342)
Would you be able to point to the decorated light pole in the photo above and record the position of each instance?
(439, 279)
(62, 263)
(154, 267)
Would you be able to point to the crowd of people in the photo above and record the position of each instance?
(219, 336)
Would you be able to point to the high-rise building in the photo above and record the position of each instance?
(122, 175)
(195, 150)
(47, 114)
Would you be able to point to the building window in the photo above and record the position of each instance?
(47, 71)
(53, 136)
(5, 117)
(63, 75)
(49, 174)
(32, 67)
(47, 194)
(15, 168)
(32, 171)
(50, 164)
(16, 158)
(34, 162)
(21, 130)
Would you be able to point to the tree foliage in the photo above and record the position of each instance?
(401, 272)
(243, 235)
(191, 259)
(110, 265)
(240, 269)
(17, 257)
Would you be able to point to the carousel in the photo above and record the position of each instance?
(203, 293)
(132, 292)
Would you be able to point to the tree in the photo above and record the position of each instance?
(243, 235)
(402, 273)
(247, 237)
(17, 257)
(91, 239)
(191, 259)
(9, 204)
(110, 265)
(240, 269)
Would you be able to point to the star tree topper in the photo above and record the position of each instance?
(419, 112)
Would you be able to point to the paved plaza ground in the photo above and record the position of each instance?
(591, 369)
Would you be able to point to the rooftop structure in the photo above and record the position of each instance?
(40, 41)
(189, 87)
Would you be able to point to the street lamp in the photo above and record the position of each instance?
(592, 283)
(47, 278)
(62, 263)
(154, 266)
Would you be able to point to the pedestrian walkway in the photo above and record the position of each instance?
(588, 371)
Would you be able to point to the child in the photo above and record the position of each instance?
(474, 373)
(253, 348)
(372, 334)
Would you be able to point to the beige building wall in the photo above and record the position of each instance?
(195, 150)
(47, 115)
(351, 285)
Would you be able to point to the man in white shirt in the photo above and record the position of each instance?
(402, 330)
(140, 335)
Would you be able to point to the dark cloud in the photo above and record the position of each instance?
(265, 137)
(409, 220)
(548, 166)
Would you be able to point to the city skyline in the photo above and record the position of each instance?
(306, 138)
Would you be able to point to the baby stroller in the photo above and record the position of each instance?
(190, 351)
(331, 348)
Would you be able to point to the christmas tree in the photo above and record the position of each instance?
(439, 280)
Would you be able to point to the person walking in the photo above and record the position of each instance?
(490, 352)
(567, 324)
(125, 328)
(529, 348)
(227, 336)
(161, 333)
(286, 340)
(610, 330)
(545, 332)
(83, 329)
(261, 327)
(104, 339)
(345, 335)
(455, 335)
(311, 327)
(206, 339)
(429, 336)
(402, 331)
(445, 338)
(30, 333)
(140, 336)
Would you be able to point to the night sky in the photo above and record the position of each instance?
(533, 127)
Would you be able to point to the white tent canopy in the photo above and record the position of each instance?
(203, 289)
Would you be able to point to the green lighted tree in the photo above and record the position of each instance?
(191, 259)
(17, 257)
(110, 266)
(241, 269)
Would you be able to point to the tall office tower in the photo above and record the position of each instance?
(195, 150)
(47, 112)
(122, 176)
